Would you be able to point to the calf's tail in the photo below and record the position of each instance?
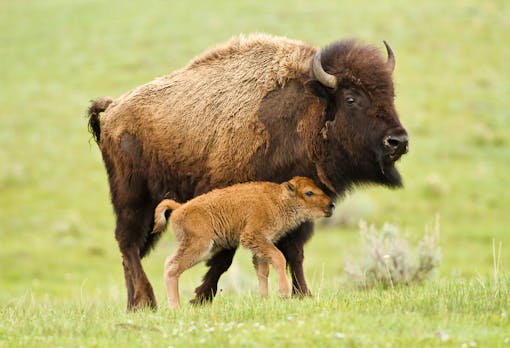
(98, 106)
(160, 217)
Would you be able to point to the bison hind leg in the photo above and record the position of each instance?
(218, 264)
(132, 229)
(134, 224)
(150, 243)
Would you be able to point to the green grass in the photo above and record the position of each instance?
(61, 281)
(448, 313)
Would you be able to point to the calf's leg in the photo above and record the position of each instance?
(173, 270)
(264, 249)
(187, 255)
(262, 269)
(278, 262)
(291, 245)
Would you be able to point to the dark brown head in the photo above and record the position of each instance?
(361, 136)
(312, 198)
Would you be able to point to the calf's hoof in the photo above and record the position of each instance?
(285, 293)
(174, 306)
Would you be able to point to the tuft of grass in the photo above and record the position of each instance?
(388, 259)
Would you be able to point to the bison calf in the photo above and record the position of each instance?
(255, 215)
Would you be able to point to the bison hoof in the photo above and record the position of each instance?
(301, 293)
(141, 306)
(142, 302)
(201, 300)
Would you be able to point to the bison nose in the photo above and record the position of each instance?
(398, 144)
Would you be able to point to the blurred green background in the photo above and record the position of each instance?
(56, 222)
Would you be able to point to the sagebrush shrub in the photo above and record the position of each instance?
(388, 260)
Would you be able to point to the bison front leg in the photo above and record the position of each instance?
(292, 246)
(219, 263)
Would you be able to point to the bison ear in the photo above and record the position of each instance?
(289, 186)
(316, 88)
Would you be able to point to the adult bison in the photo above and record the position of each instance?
(256, 108)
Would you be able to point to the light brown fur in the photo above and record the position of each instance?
(229, 81)
(255, 215)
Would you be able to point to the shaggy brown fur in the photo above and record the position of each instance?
(248, 110)
(254, 214)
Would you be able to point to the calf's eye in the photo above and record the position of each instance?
(309, 193)
(349, 100)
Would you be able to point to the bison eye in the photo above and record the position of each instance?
(349, 100)
(309, 193)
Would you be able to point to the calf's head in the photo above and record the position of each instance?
(361, 136)
(311, 198)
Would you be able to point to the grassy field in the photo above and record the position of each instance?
(61, 281)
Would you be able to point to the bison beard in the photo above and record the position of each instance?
(388, 174)
(255, 108)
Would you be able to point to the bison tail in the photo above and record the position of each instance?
(99, 105)
(160, 216)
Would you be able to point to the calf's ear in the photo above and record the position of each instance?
(289, 186)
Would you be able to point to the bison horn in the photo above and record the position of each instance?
(322, 76)
(391, 57)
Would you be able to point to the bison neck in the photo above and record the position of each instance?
(284, 153)
(289, 120)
